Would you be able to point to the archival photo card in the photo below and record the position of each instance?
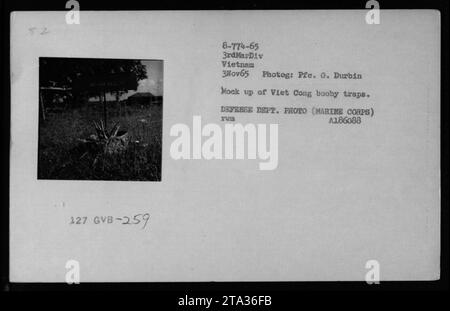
(225, 146)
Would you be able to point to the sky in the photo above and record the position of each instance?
(154, 81)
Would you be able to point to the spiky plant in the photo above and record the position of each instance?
(102, 132)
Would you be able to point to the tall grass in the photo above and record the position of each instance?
(62, 156)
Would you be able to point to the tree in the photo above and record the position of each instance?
(91, 77)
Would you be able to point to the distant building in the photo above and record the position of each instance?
(144, 99)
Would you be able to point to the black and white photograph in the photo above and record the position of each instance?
(100, 119)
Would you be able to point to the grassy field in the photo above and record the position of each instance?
(63, 156)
